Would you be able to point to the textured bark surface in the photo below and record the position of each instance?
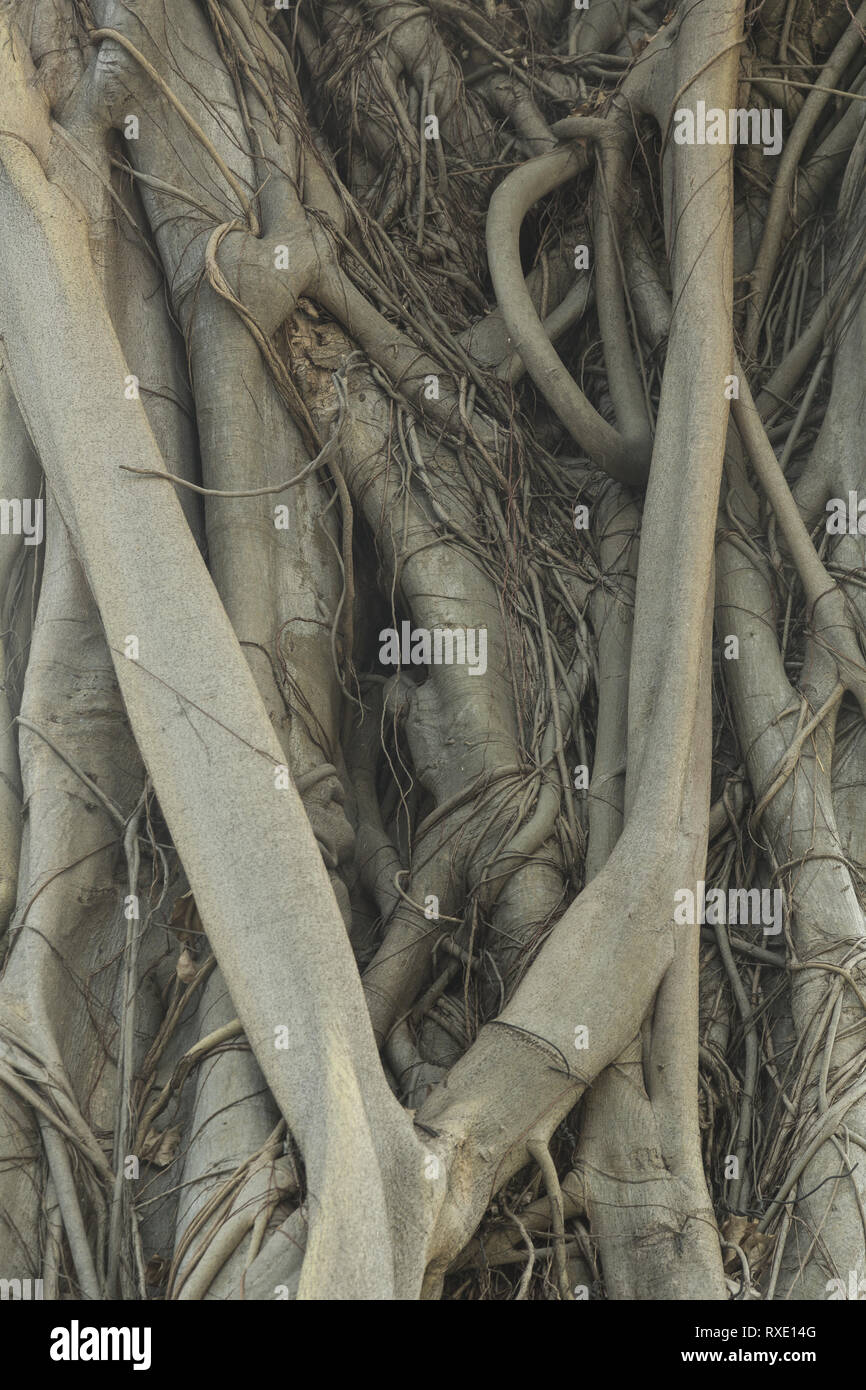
(333, 967)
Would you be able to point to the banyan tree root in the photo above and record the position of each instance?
(424, 587)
